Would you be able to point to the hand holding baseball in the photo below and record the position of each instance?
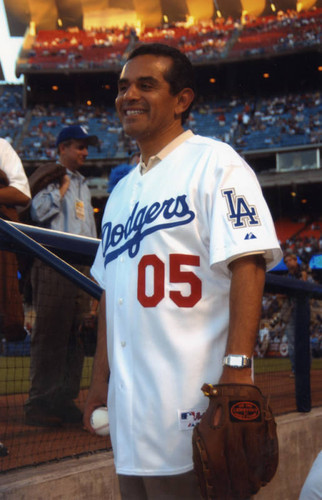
(99, 421)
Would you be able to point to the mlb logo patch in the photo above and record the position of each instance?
(189, 418)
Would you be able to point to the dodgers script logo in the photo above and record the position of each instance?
(120, 238)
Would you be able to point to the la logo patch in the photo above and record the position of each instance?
(240, 213)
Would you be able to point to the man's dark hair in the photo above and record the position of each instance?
(181, 73)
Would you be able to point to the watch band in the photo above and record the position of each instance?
(237, 361)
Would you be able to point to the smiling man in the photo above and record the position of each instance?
(150, 111)
(186, 237)
(56, 350)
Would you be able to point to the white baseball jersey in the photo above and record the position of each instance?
(10, 163)
(167, 237)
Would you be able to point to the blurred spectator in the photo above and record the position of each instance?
(56, 347)
(312, 488)
(14, 190)
(263, 339)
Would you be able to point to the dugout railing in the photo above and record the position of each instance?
(62, 251)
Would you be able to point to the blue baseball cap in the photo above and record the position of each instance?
(76, 132)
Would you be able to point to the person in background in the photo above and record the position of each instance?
(57, 350)
(14, 193)
(312, 487)
(17, 192)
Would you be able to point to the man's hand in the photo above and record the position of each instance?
(97, 396)
(64, 185)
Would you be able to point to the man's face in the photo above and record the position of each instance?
(291, 263)
(73, 156)
(144, 103)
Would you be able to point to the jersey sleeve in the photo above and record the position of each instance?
(97, 269)
(11, 164)
(240, 221)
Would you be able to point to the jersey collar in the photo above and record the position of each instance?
(154, 160)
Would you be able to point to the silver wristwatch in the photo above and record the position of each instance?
(237, 361)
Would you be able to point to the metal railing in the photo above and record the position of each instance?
(42, 243)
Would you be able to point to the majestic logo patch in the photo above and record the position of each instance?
(244, 411)
(240, 213)
(250, 236)
(120, 238)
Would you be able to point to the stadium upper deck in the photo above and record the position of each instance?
(219, 40)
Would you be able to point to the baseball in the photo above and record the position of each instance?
(99, 421)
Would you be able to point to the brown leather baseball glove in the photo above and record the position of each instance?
(44, 175)
(235, 453)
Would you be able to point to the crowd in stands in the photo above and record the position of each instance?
(305, 246)
(303, 239)
(12, 114)
(75, 48)
(46, 121)
(287, 31)
(261, 123)
(202, 42)
(272, 339)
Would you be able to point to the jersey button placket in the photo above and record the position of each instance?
(120, 302)
(135, 195)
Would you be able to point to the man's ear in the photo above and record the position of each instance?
(184, 99)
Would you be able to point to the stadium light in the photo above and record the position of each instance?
(32, 28)
(244, 16)
(219, 15)
(273, 6)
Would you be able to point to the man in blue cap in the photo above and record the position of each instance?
(56, 350)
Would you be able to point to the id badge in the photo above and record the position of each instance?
(79, 209)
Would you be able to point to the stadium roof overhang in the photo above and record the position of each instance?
(88, 14)
(274, 179)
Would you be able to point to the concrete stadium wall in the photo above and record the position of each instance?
(93, 477)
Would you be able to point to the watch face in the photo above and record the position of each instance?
(237, 361)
